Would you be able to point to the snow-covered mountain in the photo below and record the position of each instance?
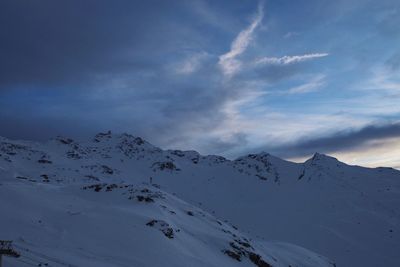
(117, 200)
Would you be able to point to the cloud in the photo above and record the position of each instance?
(112, 68)
(382, 79)
(41, 129)
(285, 60)
(220, 145)
(79, 44)
(228, 62)
(311, 86)
(212, 14)
(342, 141)
(291, 35)
(191, 63)
(187, 79)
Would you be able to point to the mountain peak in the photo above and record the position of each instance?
(322, 157)
(124, 137)
(102, 136)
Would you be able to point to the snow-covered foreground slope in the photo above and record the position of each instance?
(349, 214)
(126, 225)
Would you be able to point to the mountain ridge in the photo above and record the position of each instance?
(102, 137)
(322, 204)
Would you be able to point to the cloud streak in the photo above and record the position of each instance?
(311, 86)
(228, 62)
(286, 60)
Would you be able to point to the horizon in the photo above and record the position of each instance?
(294, 160)
(226, 78)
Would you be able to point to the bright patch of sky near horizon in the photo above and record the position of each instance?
(221, 77)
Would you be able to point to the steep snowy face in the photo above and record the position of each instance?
(340, 211)
(323, 161)
(266, 167)
(321, 166)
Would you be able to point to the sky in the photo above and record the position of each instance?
(226, 77)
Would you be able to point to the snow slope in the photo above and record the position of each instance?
(348, 213)
(126, 225)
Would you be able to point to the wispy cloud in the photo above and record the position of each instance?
(291, 34)
(313, 85)
(383, 79)
(191, 63)
(228, 62)
(285, 60)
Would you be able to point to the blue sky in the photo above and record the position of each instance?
(223, 77)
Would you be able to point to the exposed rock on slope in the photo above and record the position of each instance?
(340, 211)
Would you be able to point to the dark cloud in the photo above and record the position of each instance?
(337, 142)
(75, 43)
(42, 129)
(112, 65)
(120, 58)
(218, 146)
